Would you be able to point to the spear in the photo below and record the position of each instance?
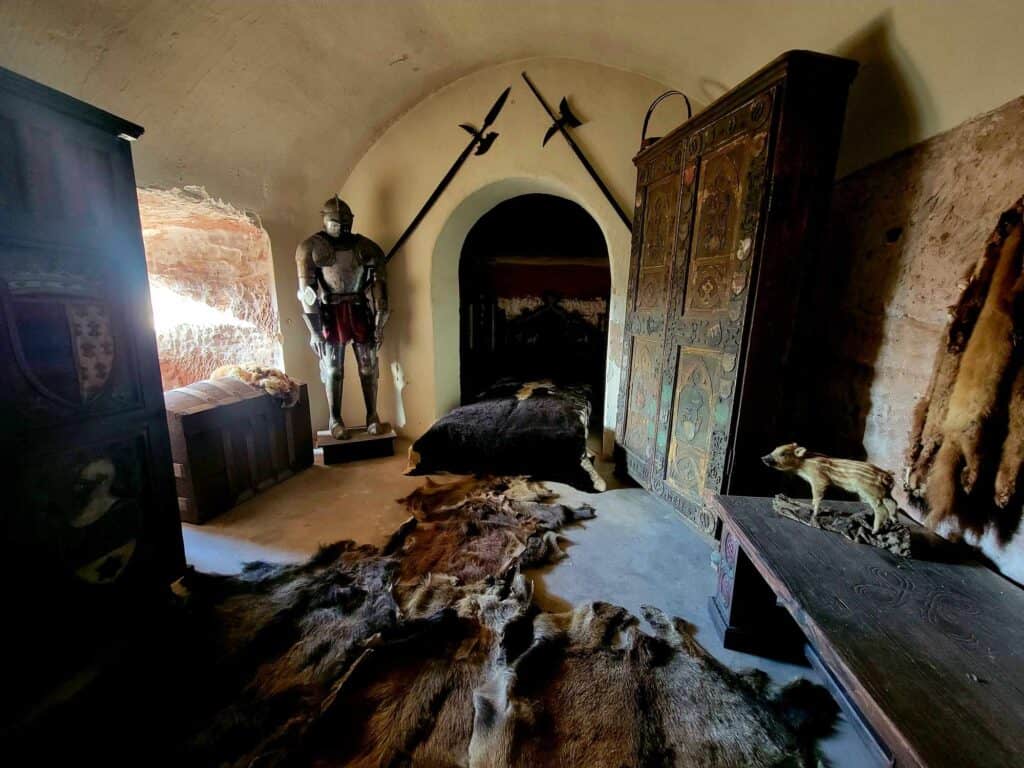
(481, 142)
(562, 123)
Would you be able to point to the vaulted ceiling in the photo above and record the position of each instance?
(257, 99)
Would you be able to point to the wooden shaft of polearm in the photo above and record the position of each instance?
(579, 154)
(433, 196)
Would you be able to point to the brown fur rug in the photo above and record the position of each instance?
(430, 651)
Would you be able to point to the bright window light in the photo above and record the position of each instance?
(171, 310)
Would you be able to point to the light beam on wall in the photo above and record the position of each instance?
(172, 309)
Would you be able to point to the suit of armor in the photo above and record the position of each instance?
(343, 292)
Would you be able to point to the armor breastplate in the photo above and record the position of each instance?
(344, 271)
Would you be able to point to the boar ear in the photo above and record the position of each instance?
(800, 452)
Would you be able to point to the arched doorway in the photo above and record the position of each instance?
(534, 288)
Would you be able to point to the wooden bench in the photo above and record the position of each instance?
(926, 656)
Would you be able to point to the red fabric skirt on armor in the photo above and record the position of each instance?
(349, 321)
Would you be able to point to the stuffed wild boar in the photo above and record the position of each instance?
(873, 485)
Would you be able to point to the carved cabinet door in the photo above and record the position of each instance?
(657, 212)
(721, 197)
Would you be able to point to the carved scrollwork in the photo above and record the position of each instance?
(716, 463)
(703, 519)
(741, 120)
(761, 108)
(730, 549)
(693, 331)
(644, 380)
(642, 324)
(640, 470)
(755, 193)
(707, 520)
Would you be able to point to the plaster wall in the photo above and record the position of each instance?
(904, 232)
(398, 173)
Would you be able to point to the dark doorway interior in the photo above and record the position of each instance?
(535, 284)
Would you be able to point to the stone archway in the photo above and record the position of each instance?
(534, 290)
(444, 277)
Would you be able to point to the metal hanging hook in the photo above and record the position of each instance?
(644, 141)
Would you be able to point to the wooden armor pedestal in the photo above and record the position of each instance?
(360, 445)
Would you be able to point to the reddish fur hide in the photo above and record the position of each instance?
(1013, 448)
(960, 426)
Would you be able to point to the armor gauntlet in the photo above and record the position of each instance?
(307, 294)
(311, 308)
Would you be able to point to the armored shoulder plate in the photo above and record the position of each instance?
(320, 250)
(371, 254)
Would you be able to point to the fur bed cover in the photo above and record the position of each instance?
(537, 428)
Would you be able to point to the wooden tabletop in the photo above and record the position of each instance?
(931, 652)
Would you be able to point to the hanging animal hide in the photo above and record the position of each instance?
(968, 439)
(429, 651)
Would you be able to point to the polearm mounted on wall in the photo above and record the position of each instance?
(481, 142)
(562, 122)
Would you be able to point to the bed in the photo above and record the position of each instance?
(536, 428)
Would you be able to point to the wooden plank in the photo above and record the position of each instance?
(930, 652)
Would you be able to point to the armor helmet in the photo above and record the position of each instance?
(337, 217)
(336, 207)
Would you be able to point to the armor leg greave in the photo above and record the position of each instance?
(366, 355)
(333, 372)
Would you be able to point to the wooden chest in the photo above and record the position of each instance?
(230, 441)
(729, 212)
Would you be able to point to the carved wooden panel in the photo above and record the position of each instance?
(658, 235)
(650, 273)
(703, 338)
(716, 254)
(642, 409)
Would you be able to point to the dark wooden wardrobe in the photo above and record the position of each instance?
(90, 522)
(729, 213)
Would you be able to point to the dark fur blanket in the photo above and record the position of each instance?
(514, 429)
(430, 651)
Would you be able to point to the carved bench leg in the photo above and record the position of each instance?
(745, 611)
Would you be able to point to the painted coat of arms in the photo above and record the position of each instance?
(60, 327)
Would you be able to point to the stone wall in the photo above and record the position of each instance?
(212, 284)
(904, 231)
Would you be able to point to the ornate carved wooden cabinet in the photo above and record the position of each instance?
(89, 516)
(729, 210)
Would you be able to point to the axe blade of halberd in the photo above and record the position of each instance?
(485, 143)
(565, 119)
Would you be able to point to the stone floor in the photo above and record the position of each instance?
(636, 551)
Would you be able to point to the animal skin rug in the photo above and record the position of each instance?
(430, 651)
(967, 444)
